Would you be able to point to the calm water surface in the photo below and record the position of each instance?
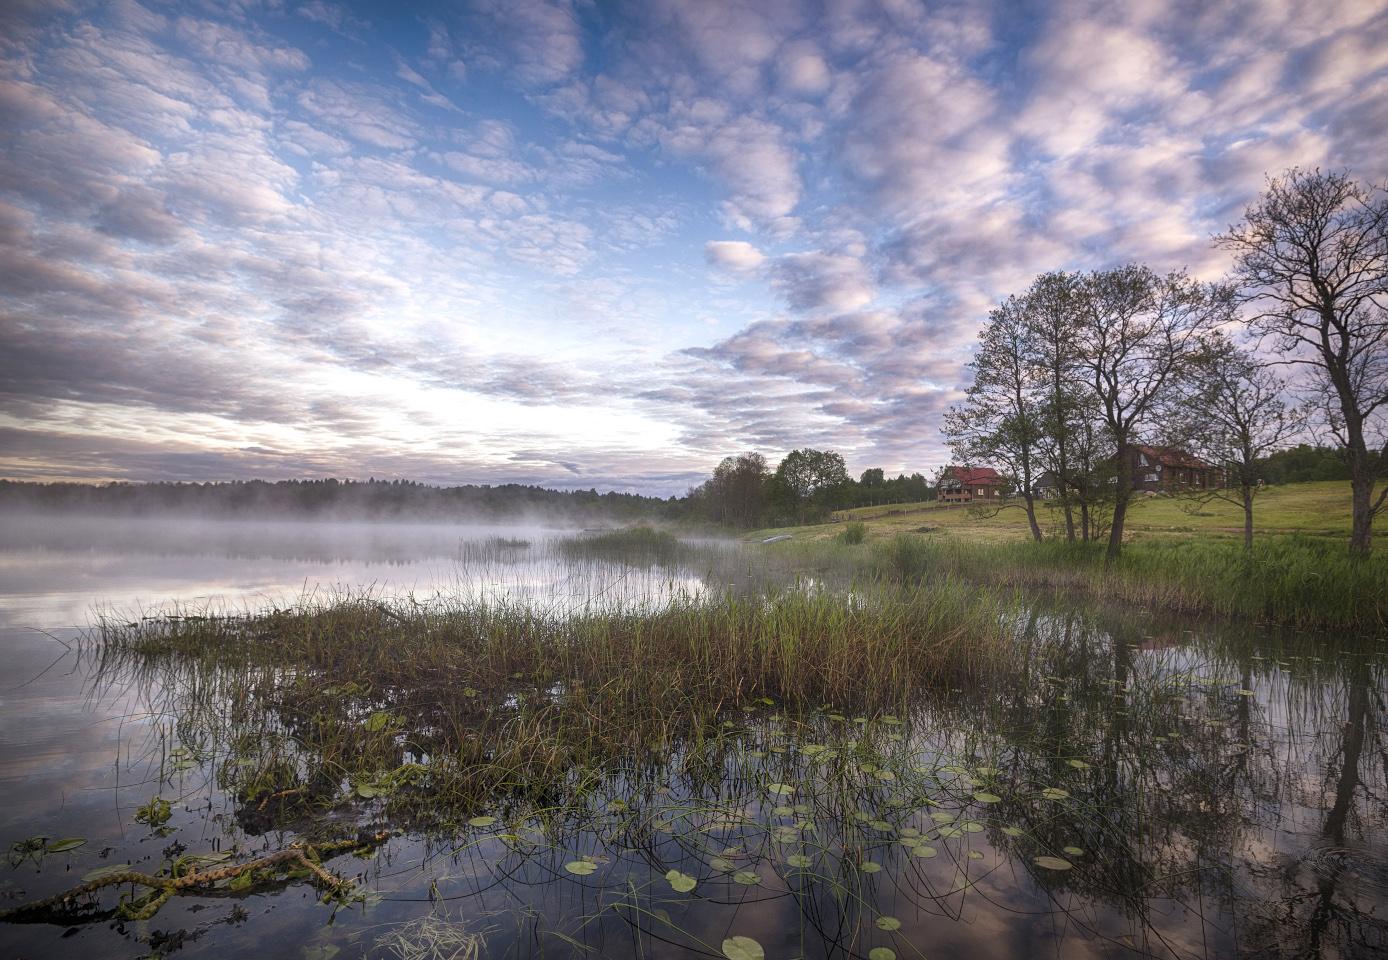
(1210, 790)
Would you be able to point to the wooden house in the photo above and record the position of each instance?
(1171, 470)
(970, 484)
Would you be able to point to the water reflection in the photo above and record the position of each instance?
(1149, 785)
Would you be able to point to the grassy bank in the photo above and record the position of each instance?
(1297, 581)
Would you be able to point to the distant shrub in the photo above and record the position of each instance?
(855, 532)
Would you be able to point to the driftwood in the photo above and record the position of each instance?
(169, 886)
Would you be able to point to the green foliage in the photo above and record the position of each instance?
(1304, 464)
(854, 532)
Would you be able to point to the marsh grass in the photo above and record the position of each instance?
(1297, 581)
(443, 706)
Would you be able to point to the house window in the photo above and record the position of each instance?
(980, 491)
(1151, 478)
(1142, 458)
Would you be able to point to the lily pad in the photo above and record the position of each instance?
(1074, 851)
(1053, 863)
(469, 691)
(63, 846)
(881, 953)
(722, 865)
(747, 878)
(681, 882)
(837, 716)
(781, 789)
(975, 855)
(987, 797)
(743, 948)
(910, 841)
(800, 860)
(580, 868)
(783, 811)
(756, 754)
(879, 825)
(482, 822)
(924, 850)
(1078, 764)
(1054, 793)
(100, 873)
(1012, 831)
(891, 721)
(954, 769)
(910, 832)
(888, 923)
(810, 749)
(871, 866)
(951, 832)
(1245, 693)
(941, 816)
(377, 721)
(801, 808)
(987, 771)
(884, 775)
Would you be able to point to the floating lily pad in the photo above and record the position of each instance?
(975, 855)
(368, 791)
(1053, 863)
(987, 771)
(810, 749)
(469, 691)
(924, 850)
(782, 811)
(971, 826)
(1054, 793)
(910, 832)
(781, 789)
(891, 721)
(63, 846)
(871, 866)
(895, 736)
(743, 948)
(721, 865)
(941, 816)
(879, 825)
(881, 953)
(1012, 831)
(801, 808)
(377, 721)
(681, 882)
(860, 720)
(884, 775)
(951, 832)
(837, 716)
(910, 841)
(580, 868)
(987, 797)
(888, 923)
(1245, 693)
(747, 878)
(481, 821)
(867, 767)
(1074, 851)
(1078, 764)
(756, 754)
(101, 873)
(954, 769)
(800, 860)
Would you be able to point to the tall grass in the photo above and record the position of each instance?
(1297, 581)
(456, 701)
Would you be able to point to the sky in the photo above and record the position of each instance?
(600, 244)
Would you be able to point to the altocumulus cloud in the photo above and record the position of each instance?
(485, 243)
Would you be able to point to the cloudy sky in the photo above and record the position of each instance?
(599, 243)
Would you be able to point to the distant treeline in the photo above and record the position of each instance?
(346, 499)
(1303, 464)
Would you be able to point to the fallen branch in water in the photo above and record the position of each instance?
(304, 856)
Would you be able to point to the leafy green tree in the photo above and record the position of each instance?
(812, 478)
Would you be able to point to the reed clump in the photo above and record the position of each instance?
(450, 704)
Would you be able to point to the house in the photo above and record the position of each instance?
(970, 484)
(1171, 470)
(1046, 486)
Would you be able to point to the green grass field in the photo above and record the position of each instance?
(1320, 510)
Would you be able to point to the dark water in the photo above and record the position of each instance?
(1220, 790)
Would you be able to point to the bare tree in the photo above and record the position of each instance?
(1236, 418)
(1312, 254)
(1000, 423)
(1136, 336)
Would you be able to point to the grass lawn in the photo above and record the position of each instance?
(1311, 509)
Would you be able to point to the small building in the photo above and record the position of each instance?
(970, 484)
(1046, 486)
(1172, 470)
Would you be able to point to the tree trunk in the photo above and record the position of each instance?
(1031, 516)
(1361, 496)
(1120, 504)
(1248, 517)
(1084, 523)
(1069, 522)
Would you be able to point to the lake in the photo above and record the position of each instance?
(1147, 786)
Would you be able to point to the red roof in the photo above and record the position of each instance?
(968, 475)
